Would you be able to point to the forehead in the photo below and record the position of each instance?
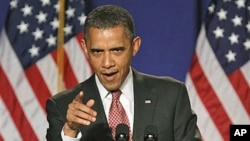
(107, 34)
(119, 29)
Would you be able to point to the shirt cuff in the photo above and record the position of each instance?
(68, 138)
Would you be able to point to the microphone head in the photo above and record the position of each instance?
(122, 132)
(151, 133)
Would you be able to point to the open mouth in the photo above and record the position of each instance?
(109, 76)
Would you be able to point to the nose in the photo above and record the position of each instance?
(108, 61)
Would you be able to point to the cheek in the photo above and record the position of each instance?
(123, 66)
(95, 63)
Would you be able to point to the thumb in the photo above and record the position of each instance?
(79, 97)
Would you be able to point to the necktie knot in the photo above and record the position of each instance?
(116, 94)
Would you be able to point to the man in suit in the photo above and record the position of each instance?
(82, 113)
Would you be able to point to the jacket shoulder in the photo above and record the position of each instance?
(153, 80)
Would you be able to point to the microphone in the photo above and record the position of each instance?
(122, 132)
(151, 133)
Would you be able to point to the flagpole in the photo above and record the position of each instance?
(60, 43)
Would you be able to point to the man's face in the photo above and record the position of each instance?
(110, 52)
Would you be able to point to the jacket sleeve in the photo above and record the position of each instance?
(185, 127)
(55, 120)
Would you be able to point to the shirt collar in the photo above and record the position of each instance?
(126, 87)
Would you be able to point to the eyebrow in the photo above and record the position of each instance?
(114, 48)
(118, 48)
(96, 49)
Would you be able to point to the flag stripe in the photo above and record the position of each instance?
(215, 75)
(68, 77)
(77, 58)
(1, 138)
(7, 127)
(48, 71)
(204, 120)
(15, 109)
(40, 88)
(245, 69)
(242, 88)
(209, 98)
(29, 104)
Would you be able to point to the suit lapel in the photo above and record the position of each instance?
(99, 129)
(144, 106)
(91, 92)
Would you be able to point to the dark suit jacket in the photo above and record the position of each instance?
(169, 110)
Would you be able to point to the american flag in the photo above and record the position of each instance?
(219, 77)
(29, 65)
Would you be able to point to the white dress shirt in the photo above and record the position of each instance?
(126, 99)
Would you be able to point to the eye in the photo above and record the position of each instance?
(96, 51)
(118, 49)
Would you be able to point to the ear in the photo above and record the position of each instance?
(136, 45)
(84, 47)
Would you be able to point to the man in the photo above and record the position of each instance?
(84, 112)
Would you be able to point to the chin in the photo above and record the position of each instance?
(112, 87)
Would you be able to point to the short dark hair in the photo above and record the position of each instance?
(109, 16)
